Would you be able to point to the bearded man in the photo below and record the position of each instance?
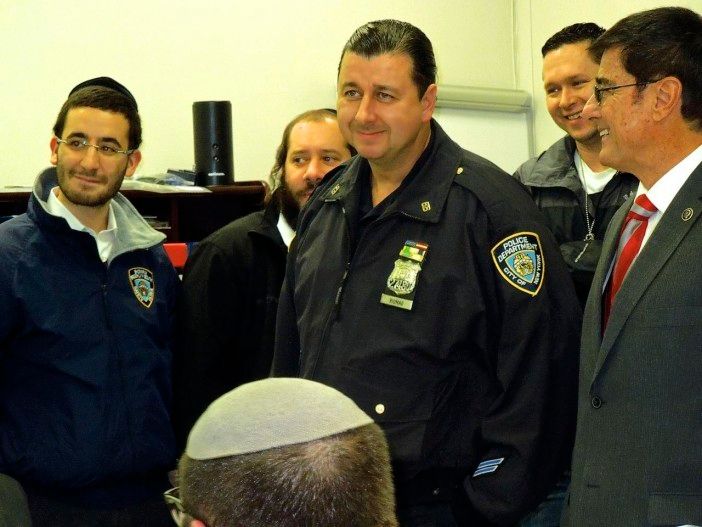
(232, 280)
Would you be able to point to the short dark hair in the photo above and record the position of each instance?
(659, 43)
(581, 32)
(103, 99)
(281, 153)
(342, 479)
(393, 36)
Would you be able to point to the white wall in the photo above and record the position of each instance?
(537, 20)
(271, 59)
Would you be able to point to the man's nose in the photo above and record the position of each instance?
(91, 158)
(366, 110)
(315, 171)
(591, 110)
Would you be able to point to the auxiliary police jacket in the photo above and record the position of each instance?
(453, 323)
(85, 357)
(555, 186)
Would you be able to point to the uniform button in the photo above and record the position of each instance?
(460, 170)
(379, 408)
(596, 402)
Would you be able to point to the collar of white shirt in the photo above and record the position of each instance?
(285, 230)
(664, 190)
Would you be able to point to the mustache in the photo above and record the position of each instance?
(89, 174)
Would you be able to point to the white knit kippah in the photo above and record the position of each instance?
(272, 413)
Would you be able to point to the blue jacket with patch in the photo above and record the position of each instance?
(85, 358)
(475, 385)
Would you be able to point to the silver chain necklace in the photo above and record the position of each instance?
(589, 237)
(590, 224)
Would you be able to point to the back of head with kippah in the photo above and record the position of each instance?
(286, 452)
(272, 413)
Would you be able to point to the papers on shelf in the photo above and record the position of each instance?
(132, 184)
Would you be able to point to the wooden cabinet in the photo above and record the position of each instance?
(181, 216)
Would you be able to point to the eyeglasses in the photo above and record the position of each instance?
(175, 506)
(80, 145)
(599, 90)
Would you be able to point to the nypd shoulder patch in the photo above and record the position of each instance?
(519, 260)
(143, 285)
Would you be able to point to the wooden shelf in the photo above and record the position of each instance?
(191, 216)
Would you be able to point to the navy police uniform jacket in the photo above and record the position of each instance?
(451, 320)
(85, 357)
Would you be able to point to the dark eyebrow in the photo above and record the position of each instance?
(81, 135)
(382, 87)
(602, 81)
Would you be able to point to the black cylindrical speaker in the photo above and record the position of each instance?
(212, 129)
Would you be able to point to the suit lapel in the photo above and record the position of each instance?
(676, 222)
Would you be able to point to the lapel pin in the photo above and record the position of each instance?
(687, 214)
(426, 206)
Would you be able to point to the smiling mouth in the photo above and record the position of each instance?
(604, 132)
(574, 116)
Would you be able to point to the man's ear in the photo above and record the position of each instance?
(429, 103)
(53, 144)
(133, 162)
(668, 97)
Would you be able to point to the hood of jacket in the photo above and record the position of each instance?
(133, 231)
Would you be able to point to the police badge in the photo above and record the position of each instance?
(143, 286)
(402, 281)
(520, 262)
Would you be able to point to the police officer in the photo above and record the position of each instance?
(425, 286)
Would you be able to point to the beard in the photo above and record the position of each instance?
(289, 206)
(84, 199)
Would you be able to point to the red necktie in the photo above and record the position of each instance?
(629, 244)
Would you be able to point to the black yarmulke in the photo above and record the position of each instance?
(106, 82)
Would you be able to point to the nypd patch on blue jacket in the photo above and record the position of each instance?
(143, 285)
(519, 260)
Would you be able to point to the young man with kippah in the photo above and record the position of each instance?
(85, 324)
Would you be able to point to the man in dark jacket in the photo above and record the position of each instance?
(577, 194)
(425, 286)
(232, 280)
(87, 295)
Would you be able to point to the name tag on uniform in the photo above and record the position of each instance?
(402, 282)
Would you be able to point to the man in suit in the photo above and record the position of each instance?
(638, 449)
